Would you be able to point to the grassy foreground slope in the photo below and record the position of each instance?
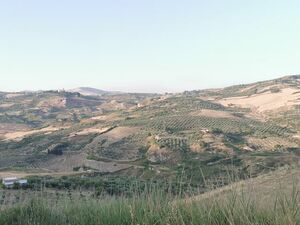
(269, 203)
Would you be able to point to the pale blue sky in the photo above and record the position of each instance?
(146, 45)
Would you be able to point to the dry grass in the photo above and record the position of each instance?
(91, 130)
(19, 135)
(269, 143)
(266, 101)
(12, 127)
(262, 204)
(262, 188)
(120, 132)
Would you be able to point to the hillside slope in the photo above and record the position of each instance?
(154, 136)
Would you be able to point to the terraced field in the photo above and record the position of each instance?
(226, 125)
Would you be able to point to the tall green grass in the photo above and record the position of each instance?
(155, 207)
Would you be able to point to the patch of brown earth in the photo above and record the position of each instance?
(196, 147)
(13, 95)
(270, 143)
(212, 113)
(12, 127)
(266, 101)
(155, 153)
(19, 135)
(90, 130)
(110, 117)
(115, 105)
(120, 132)
(67, 163)
(6, 105)
(216, 143)
(57, 102)
(106, 167)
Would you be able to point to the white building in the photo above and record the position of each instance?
(10, 181)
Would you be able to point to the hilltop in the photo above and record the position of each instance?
(92, 91)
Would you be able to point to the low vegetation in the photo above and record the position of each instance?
(153, 207)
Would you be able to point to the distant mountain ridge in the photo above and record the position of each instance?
(91, 91)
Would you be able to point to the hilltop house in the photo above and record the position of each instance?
(9, 182)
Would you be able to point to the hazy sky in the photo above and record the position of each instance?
(146, 45)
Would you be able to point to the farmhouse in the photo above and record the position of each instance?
(9, 182)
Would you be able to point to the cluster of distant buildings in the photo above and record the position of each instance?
(11, 182)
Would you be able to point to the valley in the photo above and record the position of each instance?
(205, 133)
(200, 149)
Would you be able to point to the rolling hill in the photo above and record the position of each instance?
(91, 91)
(243, 129)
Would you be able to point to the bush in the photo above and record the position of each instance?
(76, 169)
(217, 131)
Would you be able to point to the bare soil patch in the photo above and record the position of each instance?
(212, 113)
(14, 95)
(120, 132)
(91, 130)
(57, 102)
(12, 127)
(266, 101)
(110, 117)
(270, 143)
(6, 105)
(106, 167)
(19, 135)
